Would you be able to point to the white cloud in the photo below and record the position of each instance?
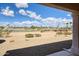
(69, 15)
(27, 23)
(36, 23)
(16, 23)
(22, 12)
(7, 12)
(23, 23)
(34, 15)
(21, 5)
(38, 17)
(66, 20)
(52, 21)
(49, 21)
(30, 14)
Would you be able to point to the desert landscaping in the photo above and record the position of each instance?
(18, 40)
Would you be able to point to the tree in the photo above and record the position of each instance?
(67, 25)
(33, 27)
(71, 24)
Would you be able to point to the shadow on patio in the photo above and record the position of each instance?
(40, 50)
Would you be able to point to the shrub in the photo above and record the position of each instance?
(7, 32)
(67, 33)
(55, 30)
(4, 31)
(12, 41)
(1, 31)
(29, 35)
(41, 31)
(59, 33)
(1, 34)
(37, 35)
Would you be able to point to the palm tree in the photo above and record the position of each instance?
(70, 22)
(71, 25)
(67, 25)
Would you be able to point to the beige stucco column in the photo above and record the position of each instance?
(75, 41)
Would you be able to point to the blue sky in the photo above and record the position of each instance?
(17, 14)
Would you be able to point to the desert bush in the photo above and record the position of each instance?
(37, 35)
(29, 35)
(55, 30)
(41, 31)
(1, 34)
(26, 39)
(7, 32)
(4, 31)
(59, 33)
(67, 33)
(1, 31)
(12, 41)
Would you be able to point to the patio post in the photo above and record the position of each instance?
(75, 41)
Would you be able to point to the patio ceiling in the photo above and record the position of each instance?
(73, 7)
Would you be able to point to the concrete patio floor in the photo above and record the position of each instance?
(66, 52)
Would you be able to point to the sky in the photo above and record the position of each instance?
(28, 14)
